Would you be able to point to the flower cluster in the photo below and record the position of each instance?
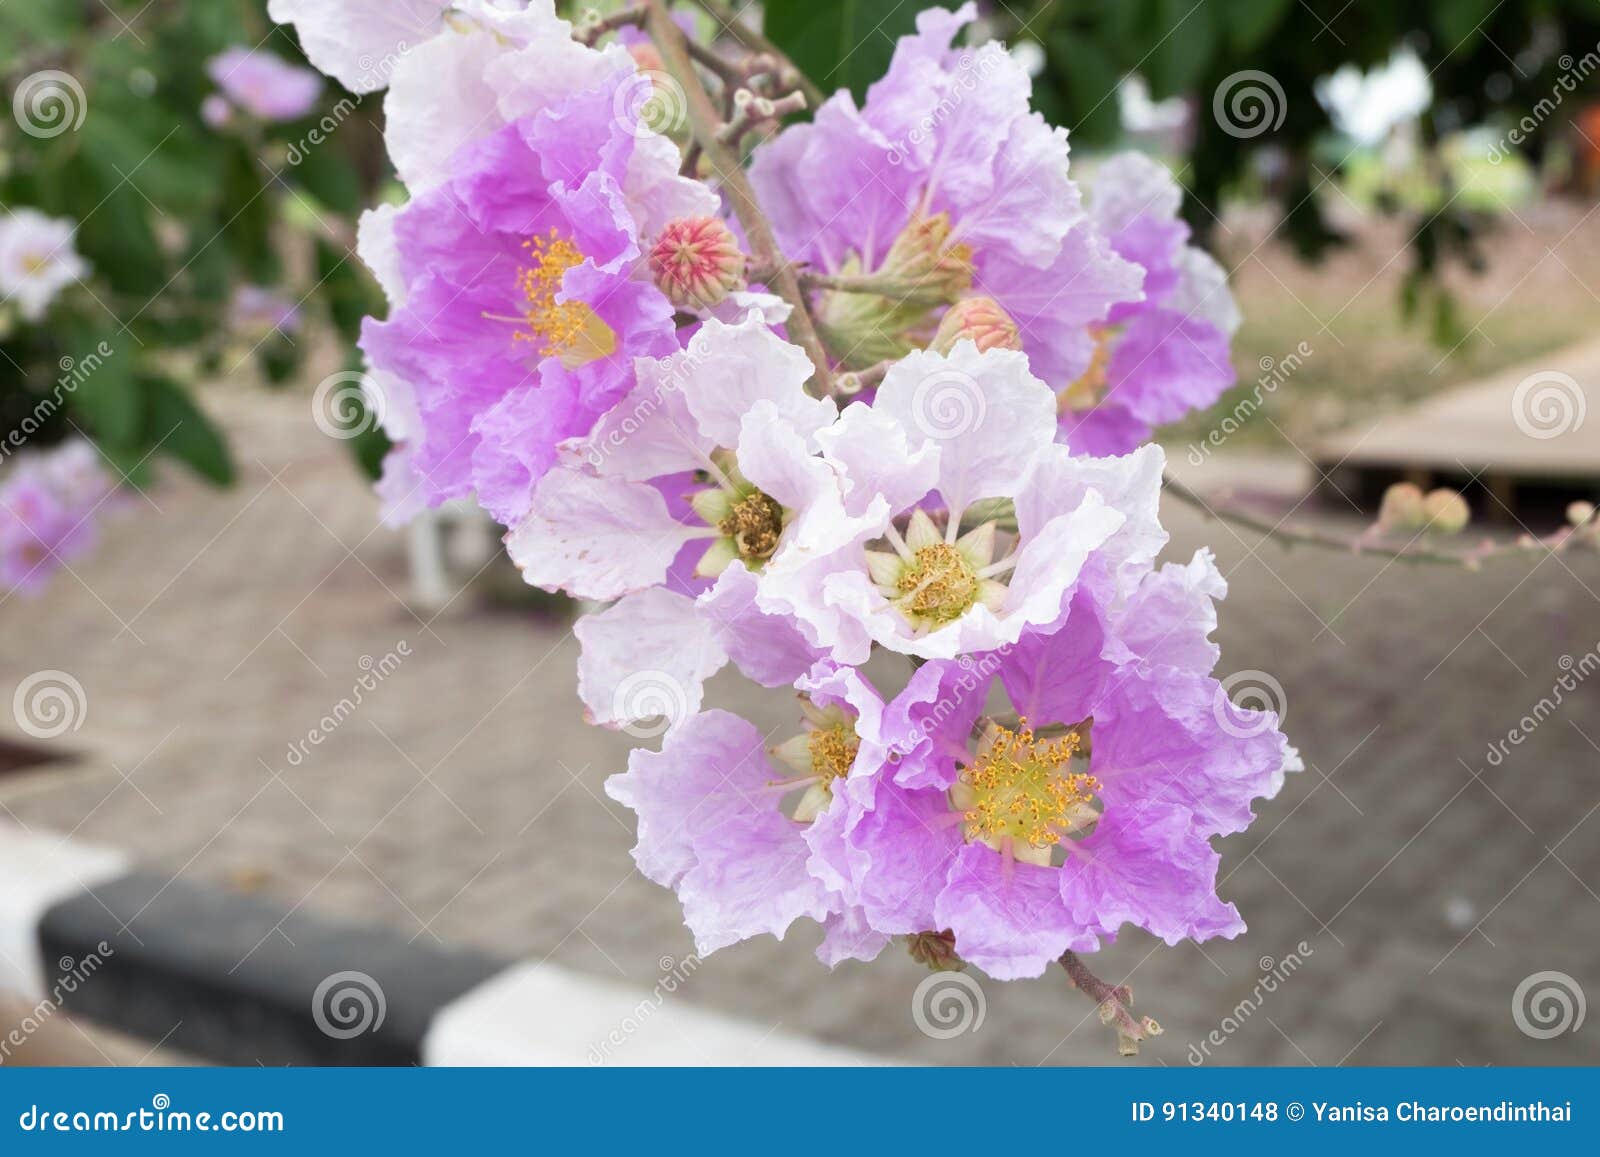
(888, 394)
(47, 502)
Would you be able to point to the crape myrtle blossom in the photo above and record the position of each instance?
(456, 70)
(945, 182)
(694, 480)
(518, 294)
(1164, 356)
(47, 502)
(963, 525)
(263, 84)
(37, 260)
(1025, 835)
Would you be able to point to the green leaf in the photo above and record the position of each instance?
(178, 428)
(1090, 78)
(1457, 20)
(103, 389)
(1250, 22)
(841, 43)
(1178, 62)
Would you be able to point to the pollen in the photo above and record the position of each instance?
(833, 751)
(1019, 786)
(569, 330)
(938, 583)
(755, 524)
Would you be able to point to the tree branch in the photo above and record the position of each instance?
(705, 123)
(755, 42)
(1113, 1002)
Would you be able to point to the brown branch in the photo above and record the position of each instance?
(588, 32)
(790, 74)
(705, 123)
(1421, 547)
(1113, 1002)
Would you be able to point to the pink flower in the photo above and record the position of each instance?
(266, 86)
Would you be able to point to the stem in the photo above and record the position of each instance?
(1416, 550)
(1113, 1001)
(756, 42)
(588, 33)
(705, 124)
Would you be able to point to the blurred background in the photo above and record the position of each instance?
(1405, 197)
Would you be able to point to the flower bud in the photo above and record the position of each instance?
(696, 262)
(928, 269)
(1579, 513)
(1401, 508)
(1446, 511)
(979, 320)
(935, 949)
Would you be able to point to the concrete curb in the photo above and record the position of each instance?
(242, 979)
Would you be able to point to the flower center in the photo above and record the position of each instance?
(939, 583)
(823, 753)
(833, 751)
(569, 330)
(755, 524)
(1085, 393)
(1019, 787)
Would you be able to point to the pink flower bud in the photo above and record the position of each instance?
(1446, 511)
(979, 320)
(697, 262)
(1401, 508)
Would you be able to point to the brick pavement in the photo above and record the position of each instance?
(463, 799)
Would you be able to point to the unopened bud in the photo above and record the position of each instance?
(979, 320)
(1580, 513)
(647, 56)
(697, 262)
(1401, 508)
(935, 949)
(927, 267)
(1446, 511)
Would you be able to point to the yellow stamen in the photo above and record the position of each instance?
(1016, 787)
(938, 583)
(755, 524)
(1085, 393)
(833, 751)
(569, 330)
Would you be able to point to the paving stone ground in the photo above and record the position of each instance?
(463, 799)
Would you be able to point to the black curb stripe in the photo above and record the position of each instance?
(237, 974)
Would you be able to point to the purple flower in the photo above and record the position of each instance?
(944, 181)
(47, 502)
(1167, 355)
(515, 310)
(267, 87)
(258, 311)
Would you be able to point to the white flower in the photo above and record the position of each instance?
(37, 260)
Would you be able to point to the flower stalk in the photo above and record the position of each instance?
(1113, 1002)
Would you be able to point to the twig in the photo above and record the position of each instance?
(1113, 1002)
(1418, 549)
(705, 123)
(750, 111)
(791, 76)
(592, 29)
